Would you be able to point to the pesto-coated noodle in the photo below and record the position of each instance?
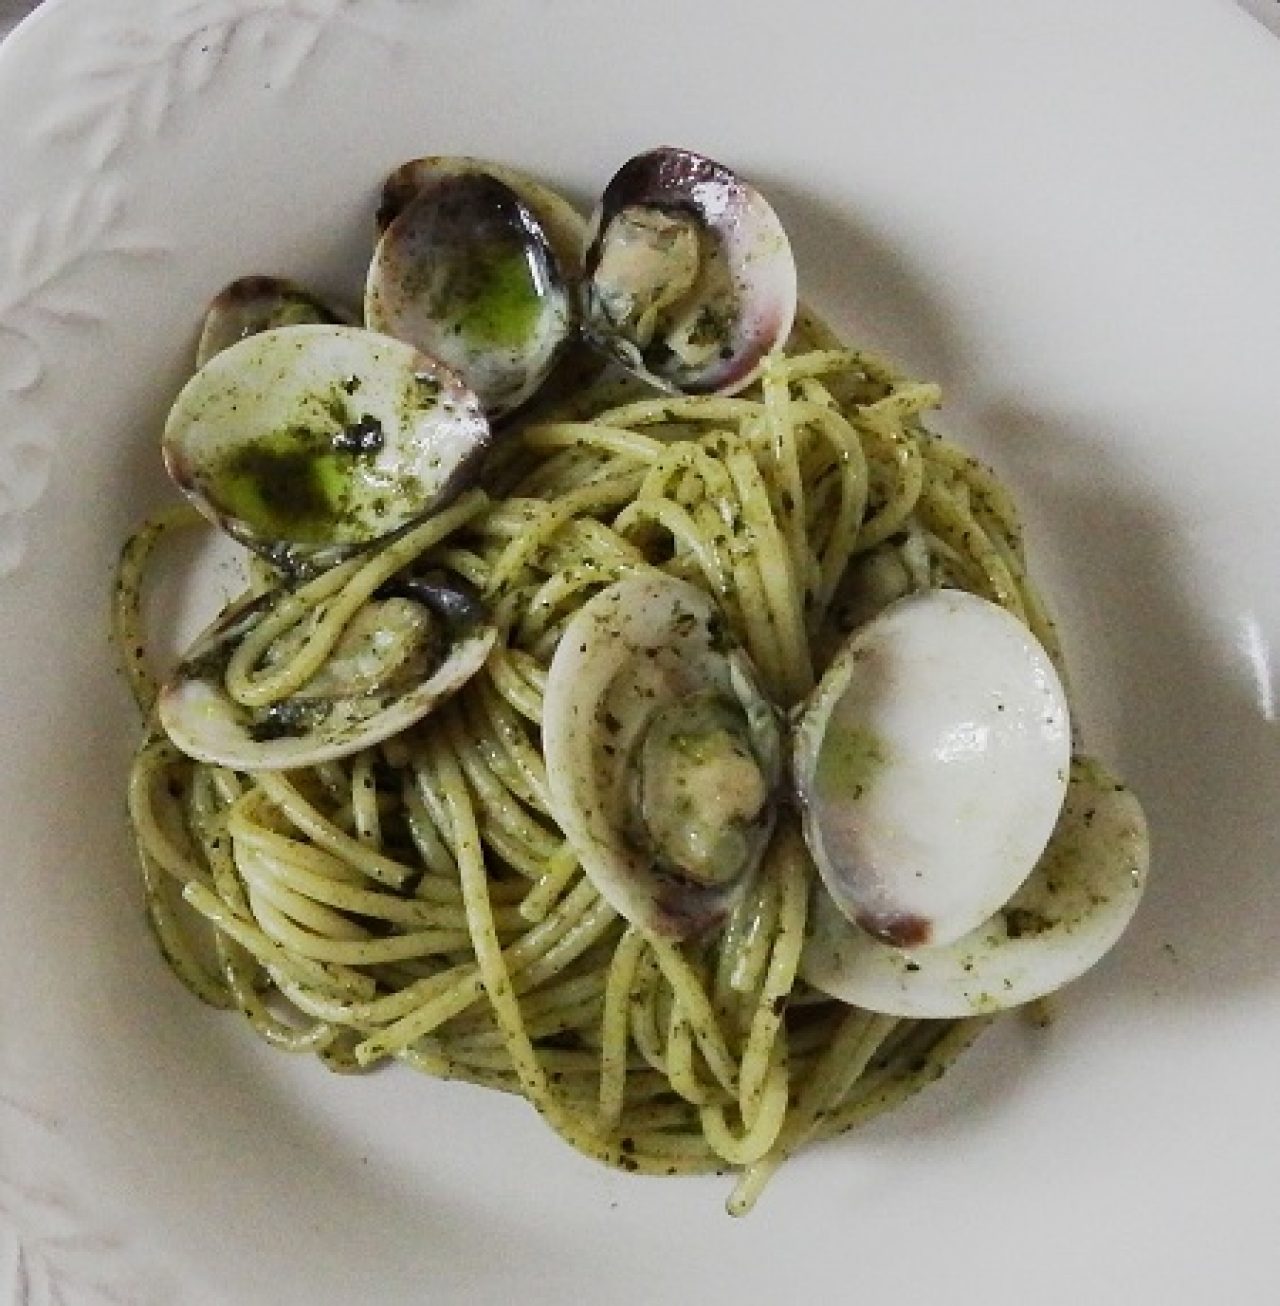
(418, 901)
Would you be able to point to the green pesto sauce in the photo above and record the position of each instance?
(289, 485)
(494, 299)
(296, 312)
(243, 320)
(848, 761)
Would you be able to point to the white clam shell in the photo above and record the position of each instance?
(1066, 916)
(931, 764)
(251, 438)
(640, 642)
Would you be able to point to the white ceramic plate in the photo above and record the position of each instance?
(1070, 215)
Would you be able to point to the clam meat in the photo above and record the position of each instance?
(689, 278)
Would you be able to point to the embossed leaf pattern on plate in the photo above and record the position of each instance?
(55, 1250)
(123, 82)
(49, 251)
(47, 248)
(130, 81)
(118, 85)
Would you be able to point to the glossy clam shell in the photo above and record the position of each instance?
(751, 240)
(466, 272)
(268, 439)
(930, 764)
(639, 638)
(565, 227)
(1066, 916)
(202, 719)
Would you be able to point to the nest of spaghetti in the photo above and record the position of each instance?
(417, 901)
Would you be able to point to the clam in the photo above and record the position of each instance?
(1062, 920)
(251, 305)
(930, 765)
(562, 223)
(468, 270)
(662, 755)
(689, 276)
(405, 650)
(307, 443)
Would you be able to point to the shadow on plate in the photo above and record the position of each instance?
(859, 281)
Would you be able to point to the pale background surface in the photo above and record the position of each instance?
(1266, 11)
(949, 286)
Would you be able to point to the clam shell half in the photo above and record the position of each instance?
(324, 721)
(467, 272)
(629, 658)
(689, 276)
(310, 442)
(930, 764)
(250, 305)
(1066, 916)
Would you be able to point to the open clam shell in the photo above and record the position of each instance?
(1065, 917)
(662, 756)
(394, 663)
(251, 305)
(466, 272)
(564, 226)
(689, 276)
(930, 764)
(309, 442)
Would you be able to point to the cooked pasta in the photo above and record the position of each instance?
(418, 901)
